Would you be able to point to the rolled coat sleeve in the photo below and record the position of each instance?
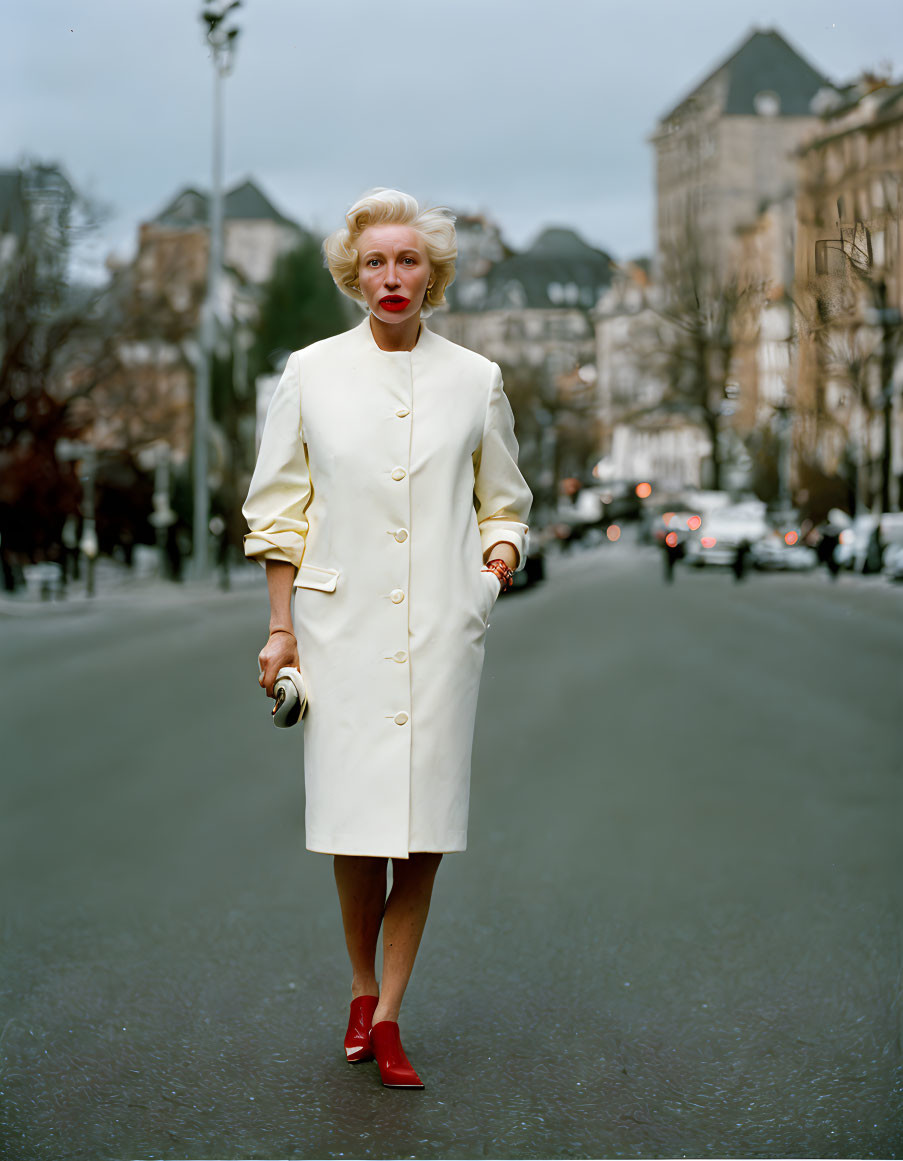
(501, 496)
(275, 508)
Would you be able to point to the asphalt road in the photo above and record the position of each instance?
(676, 930)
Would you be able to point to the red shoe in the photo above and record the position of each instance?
(357, 1038)
(394, 1067)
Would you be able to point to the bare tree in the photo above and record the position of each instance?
(704, 311)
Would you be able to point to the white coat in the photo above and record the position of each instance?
(387, 477)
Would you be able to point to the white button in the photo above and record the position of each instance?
(396, 595)
(401, 412)
(400, 655)
(401, 718)
(401, 534)
(398, 473)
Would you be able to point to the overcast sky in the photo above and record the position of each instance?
(534, 113)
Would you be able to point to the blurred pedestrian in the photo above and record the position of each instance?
(672, 552)
(827, 548)
(739, 562)
(387, 476)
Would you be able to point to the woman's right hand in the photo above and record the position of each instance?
(281, 650)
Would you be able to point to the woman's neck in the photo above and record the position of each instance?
(395, 336)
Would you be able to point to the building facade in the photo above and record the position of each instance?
(849, 291)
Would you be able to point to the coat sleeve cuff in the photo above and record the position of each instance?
(263, 546)
(493, 532)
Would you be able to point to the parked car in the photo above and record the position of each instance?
(892, 536)
(852, 550)
(893, 563)
(722, 531)
(869, 540)
(534, 569)
(664, 515)
(783, 550)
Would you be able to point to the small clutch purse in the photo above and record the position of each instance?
(291, 697)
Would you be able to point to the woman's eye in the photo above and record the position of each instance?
(373, 262)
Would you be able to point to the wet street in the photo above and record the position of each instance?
(676, 930)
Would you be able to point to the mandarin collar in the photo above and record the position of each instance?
(423, 340)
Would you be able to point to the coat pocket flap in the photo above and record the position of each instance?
(311, 576)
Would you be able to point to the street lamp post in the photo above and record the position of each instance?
(221, 36)
(86, 456)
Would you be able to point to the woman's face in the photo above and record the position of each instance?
(393, 271)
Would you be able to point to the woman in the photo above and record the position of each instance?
(387, 475)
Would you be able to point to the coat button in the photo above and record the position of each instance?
(401, 718)
(400, 655)
(398, 473)
(401, 412)
(396, 595)
(401, 534)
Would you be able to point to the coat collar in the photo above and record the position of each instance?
(366, 336)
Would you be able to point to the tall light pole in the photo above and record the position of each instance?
(221, 36)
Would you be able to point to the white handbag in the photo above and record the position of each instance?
(291, 697)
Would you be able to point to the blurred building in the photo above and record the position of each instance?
(641, 438)
(149, 399)
(726, 177)
(727, 147)
(849, 290)
(532, 308)
(480, 247)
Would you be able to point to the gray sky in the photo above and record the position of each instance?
(535, 113)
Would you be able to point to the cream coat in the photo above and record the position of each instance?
(387, 477)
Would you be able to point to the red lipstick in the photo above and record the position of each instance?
(394, 302)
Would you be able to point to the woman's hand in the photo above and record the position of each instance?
(281, 650)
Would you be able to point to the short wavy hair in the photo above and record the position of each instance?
(379, 207)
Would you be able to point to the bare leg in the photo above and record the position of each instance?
(403, 921)
(361, 883)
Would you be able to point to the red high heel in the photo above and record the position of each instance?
(394, 1067)
(357, 1038)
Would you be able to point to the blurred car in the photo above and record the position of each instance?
(722, 532)
(682, 524)
(852, 551)
(580, 517)
(893, 563)
(869, 541)
(783, 550)
(656, 519)
(892, 536)
(534, 569)
(619, 500)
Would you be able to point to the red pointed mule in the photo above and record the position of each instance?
(394, 1067)
(357, 1038)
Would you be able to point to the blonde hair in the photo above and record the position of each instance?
(392, 207)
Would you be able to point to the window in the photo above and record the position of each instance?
(767, 103)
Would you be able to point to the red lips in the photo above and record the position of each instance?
(394, 302)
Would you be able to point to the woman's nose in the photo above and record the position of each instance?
(391, 275)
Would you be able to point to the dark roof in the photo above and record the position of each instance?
(245, 201)
(763, 62)
(559, 270)
(248, 201)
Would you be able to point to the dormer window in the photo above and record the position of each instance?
(767, 103)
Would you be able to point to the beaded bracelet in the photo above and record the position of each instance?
(501, 570)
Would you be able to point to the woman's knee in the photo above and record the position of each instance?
(417, 867)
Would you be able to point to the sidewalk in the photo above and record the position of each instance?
(116, 585)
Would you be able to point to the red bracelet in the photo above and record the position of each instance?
(502, 571)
